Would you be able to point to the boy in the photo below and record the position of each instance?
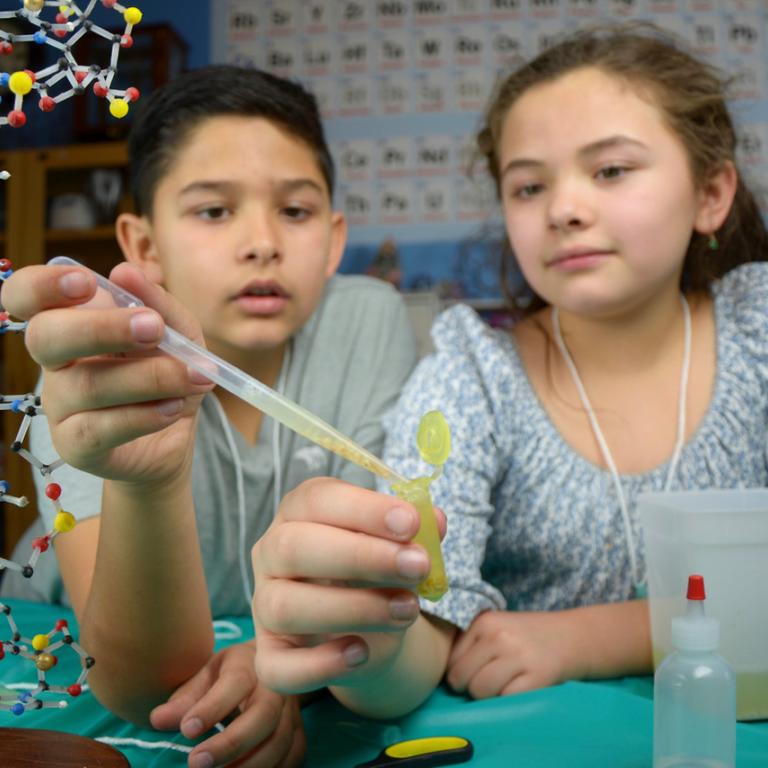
(233, 182)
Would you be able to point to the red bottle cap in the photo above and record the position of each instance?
(696, 587)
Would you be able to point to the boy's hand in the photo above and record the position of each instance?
(267, 730)
(117, 407)
(504, 652)
(335, 581)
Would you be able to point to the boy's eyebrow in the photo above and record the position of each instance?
(291, 185)
(587, 151)
(224, 185)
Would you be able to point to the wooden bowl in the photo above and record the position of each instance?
(32, 748)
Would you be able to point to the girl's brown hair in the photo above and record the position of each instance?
(690, 94)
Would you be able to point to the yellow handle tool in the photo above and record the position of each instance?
(423, 753)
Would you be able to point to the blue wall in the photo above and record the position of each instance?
(191, 18)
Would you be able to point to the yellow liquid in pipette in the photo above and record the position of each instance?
(350, 454)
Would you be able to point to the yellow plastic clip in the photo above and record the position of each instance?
(424, 753)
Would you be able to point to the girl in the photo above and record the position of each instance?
(639, 364)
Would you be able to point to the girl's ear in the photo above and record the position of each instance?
(134, 235)
(716, 198)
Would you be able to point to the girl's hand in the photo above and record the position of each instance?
(504, 652)
(117, 407)
(335, 579)
(266, 731)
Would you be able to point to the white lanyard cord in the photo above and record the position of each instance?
(240, 486)
(242, 548)
(607, 457)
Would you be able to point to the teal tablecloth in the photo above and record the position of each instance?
(597, 724)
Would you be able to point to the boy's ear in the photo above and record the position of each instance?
(716, 198)
(338, 242)
(134, 235)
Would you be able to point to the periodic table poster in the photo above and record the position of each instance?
(402, 85)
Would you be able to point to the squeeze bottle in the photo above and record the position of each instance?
(694, 697)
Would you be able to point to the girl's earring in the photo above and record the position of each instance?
(713, 243)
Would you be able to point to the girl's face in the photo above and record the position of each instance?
(597, 193)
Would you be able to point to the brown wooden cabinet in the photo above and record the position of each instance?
(38, 177)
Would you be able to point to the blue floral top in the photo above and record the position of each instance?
(531, 524)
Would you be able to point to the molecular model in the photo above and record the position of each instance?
(68, 78)
(29, 406)
(41, 649)
(53, 84)
(70, 25)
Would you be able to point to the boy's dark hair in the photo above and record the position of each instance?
(691, 96)
(168, 116)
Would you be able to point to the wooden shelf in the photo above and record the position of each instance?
(38, 175)
(78, 156)
(71, 235)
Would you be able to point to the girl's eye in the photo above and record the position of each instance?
(611, 172)
(527, 191)
(213, 213)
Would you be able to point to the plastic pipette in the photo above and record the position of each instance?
(250, 389)
(293, 416)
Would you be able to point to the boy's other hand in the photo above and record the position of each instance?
(266, 730)
(335, 585)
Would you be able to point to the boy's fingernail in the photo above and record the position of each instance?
(192, 728)
(170, 407)
(74, 284)
(399, 520)
(412, 563)
(355, 654)
(196, 377)
(145, 327)
(403, 608)
(201, 760)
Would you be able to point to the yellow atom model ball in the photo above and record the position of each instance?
(64, 522)
(118, 108)
(132, 15)
(20, 83)
(40, 642)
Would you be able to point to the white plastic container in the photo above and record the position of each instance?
(694, 694)
(723, 534)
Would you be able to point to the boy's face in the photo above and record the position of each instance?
(242, 232)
